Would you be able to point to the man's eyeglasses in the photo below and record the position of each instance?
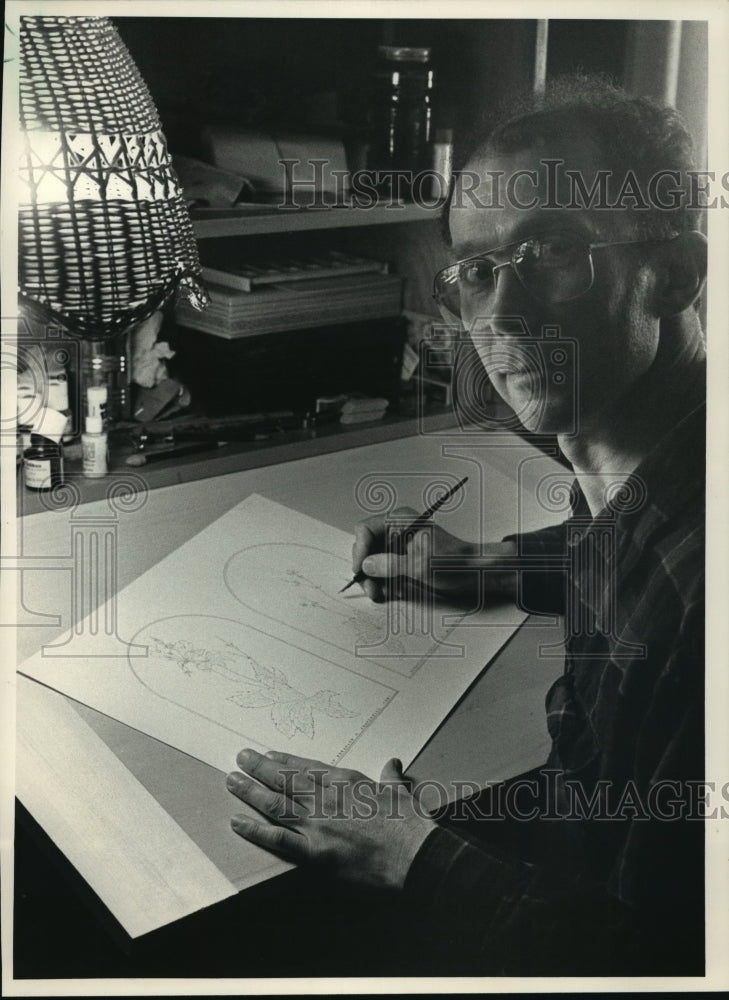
(553, 269)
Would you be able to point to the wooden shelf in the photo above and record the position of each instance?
(261, 219)
(237, 457)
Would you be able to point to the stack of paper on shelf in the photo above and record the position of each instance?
(248, 275)
(233, 313)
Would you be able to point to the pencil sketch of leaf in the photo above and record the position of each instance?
(328, 702)
(264, 689)
(368, 633)
(302, 717)
(292, 712)
(250, 697)
(269, 675)
(282, 720)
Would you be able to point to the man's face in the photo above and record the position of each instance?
(612, 326)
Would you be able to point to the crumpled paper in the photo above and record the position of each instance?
(148, 356)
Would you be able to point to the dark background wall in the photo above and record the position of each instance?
(263, 72)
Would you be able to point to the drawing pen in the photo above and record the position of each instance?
(419, 521)
(145, 457)
(252, 432)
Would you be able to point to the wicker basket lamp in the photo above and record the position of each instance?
(104, 234)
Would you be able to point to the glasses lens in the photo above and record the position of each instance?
(459, 286)
(446, 292)
(552, 268)
(555, 268)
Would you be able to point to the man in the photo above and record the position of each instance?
(607, 877)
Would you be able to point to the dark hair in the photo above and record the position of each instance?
(635, 135)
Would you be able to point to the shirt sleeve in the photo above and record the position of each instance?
(486, 912)
(477, 910)
(479, 914)
(542, 586)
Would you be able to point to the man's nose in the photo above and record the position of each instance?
(508, 307)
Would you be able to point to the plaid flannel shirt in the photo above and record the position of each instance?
(618, 890)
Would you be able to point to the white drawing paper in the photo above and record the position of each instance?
(241, 638)
(396, 637)
(202, 664)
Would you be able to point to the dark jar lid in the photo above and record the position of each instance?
(398, 53)
(39, 441)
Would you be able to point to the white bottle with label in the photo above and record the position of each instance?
(95, 444)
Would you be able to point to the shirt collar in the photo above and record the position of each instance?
(670, 476)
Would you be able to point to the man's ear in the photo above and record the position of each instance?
(683, 273)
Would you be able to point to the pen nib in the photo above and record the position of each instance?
(346, 587)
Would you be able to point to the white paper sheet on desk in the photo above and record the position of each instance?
(240, 638)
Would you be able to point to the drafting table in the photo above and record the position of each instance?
(95, 785)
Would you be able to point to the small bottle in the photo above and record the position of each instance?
(58, 400)
(43, 463)
(95, 448)
(97, 397)
(43, 460)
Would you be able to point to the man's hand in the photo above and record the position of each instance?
(366, 831)
(385, 571)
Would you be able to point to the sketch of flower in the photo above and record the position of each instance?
(189, 657)
(291, 710)
(366, 631)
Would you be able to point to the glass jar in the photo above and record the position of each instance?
(108, 363)
(402, 116)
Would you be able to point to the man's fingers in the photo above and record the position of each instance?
(373, 589)
(370, 535)
(383, 565)
(304, 764)
(263, 769)
(286, 772)
(318, 772)
(263, 799)
(365, 541)
(299, 775)
(278, 839)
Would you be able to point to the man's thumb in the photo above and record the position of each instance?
(392, 771)
(381, 566)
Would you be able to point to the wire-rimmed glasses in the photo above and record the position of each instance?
(554, 268)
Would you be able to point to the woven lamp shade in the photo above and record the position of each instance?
(104, 234)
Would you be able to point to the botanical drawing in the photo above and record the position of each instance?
(291, 710)
(312, 595)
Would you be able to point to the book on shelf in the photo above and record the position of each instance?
(250, 275)
(233, 313)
